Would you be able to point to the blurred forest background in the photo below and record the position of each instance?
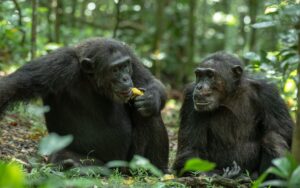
(170, 37)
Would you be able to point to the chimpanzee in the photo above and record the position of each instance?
(88, 90)
(229, 118)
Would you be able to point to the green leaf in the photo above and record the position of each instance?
(259, 180)
(53, 143)
(274, 183)
(276, 171)
(261, 25)
(295, 179)
(252, 56)
(293, 162)
(117, 163)
(198, 165)
(139, 162)
(11, 175)
(284, 166)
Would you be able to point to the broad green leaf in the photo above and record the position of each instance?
(139, 162)
(266, 24)
(117, 163)
(271, 9)
(289, 156)
(295, 179)
(276, 171)
(259, 180)
(252, 56)
(11, 175)
(274, 183)
(198, 165)
(53, 143)
(284, 166)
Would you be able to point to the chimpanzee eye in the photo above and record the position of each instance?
(210, 74)
(115, 69)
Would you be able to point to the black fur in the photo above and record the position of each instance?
(251, 125)
(81, 104)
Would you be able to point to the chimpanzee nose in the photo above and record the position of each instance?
(125, 79)
(205, 92)
(199, 87)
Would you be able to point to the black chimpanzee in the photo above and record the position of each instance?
(88, 90)
(229, 118)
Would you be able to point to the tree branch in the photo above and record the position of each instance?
(118, 5)
(20, 22)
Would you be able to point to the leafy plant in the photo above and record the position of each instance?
(137, 163)
(11, 175)
(287, 171)
(197, 165)
(53, 143)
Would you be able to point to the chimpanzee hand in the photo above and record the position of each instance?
(231, 172)
(146, 104)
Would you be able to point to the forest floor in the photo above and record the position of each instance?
(21, 131)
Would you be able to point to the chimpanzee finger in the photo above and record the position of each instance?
(140, 98)
(142, 89)
(139, 104)
(144, 111)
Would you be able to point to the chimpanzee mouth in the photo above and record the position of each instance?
(125, 94)
(202, 103)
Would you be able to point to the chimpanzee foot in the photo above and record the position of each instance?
(232, 172)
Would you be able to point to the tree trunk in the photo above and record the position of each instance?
(231, 30)
(58, 18)
(83, 8)
(159, 22)
(33, 28)
(296, 135)
(203, 24)
(20, 23)
(48, 4)
(74, 6)
(191, 33)
(253, 6)
(118, 18)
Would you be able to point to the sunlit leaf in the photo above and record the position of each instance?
(198, 165)
(289, 86)
(266, 24)
(295, 179)
(139, 162)
(284, 167)
(271, 9)
(259, 180)
(11, 175)
(117, 163)
(274, 183)
(53, 143)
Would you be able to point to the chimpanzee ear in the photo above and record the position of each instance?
(237, 71)
(87, 65)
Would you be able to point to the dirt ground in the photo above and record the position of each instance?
(19, 135)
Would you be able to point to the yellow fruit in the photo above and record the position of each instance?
(136, 92)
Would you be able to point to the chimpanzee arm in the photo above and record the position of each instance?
(277, 125)
(187, 144)
(50, 73)
(154, 97)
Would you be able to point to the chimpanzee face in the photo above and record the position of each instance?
(215, 81)
(209, 89)
(119, 73)
(111, 74)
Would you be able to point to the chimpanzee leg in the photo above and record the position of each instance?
(151, 141)
(157, 150)
(68, 159)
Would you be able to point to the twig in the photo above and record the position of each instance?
(20, 22)
(118, 5)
